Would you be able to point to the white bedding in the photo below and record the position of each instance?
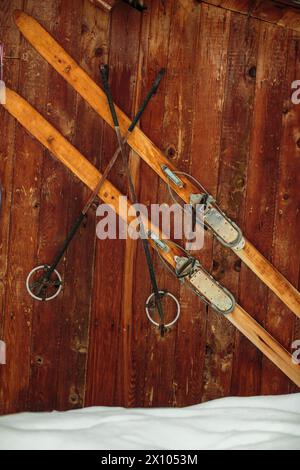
(227, 423)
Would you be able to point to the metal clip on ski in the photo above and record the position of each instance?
(172, 176)
(158, 242)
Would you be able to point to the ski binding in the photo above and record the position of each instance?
(224, 229)
(205, 285)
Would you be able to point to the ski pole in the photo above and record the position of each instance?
(130, 129)
(145, 242)
(45, 279)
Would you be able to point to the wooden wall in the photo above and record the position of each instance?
(281, 12)
(223, 113)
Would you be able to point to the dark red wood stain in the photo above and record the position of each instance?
(223, 112)
(286, 240)
(7, 145)
(212, 52)
(263, 168)
(235, 141)
(94, 34)
(106, 328)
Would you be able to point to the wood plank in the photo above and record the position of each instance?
(235, 143)
(175, 137)
(241, 6)
(24, 229)
(286, 241)
(296, 337)
(181, 368)
(53, 226)
(271, 11)
(278, 13)
(211, 75)
(261, 192)
(296, 332)
(123, 60)
(128, 76)
(77, 302)
(153, 56)
(126, 372)
(11, 39)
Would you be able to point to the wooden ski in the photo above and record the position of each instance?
(55, 55)
(65, 152)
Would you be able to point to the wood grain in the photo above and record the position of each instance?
(279, 321)
(53, 226)
(186, 374)
(145, 342)
(261, 187)
(232, 180)
(11, 39)
(211, 78)
(123, 59)
(272, 11)
(94, 35)
(28, 166)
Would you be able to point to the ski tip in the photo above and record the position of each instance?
(17, 14)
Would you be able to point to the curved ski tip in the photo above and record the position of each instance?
(17, 15)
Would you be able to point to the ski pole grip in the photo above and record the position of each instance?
(106, 87)
(151, 92)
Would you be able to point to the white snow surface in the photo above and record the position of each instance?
(270, 422)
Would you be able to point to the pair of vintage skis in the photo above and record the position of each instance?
(225, 230)
(196, 276)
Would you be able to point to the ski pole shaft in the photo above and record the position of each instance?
(67, 241)
(151, 92)
(137, 117)
(95, 193)
(60, 254)
(104, 75)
